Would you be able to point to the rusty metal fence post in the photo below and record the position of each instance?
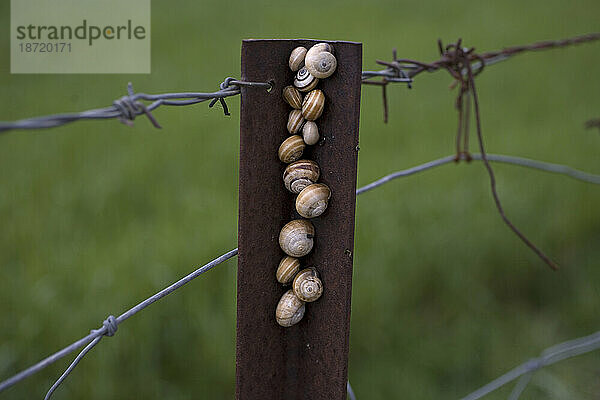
(308, 360)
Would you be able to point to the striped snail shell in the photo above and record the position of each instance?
(321, 65)
(291, 149)
(296, 238)
(307, 286)
(287, 269)
(304, 81)
(300, 174)
(297, 58)
(312, 200)
(310, 133)
(290, 309)
(292, 96)
(313, 104)
(295, 121)
(319, 47)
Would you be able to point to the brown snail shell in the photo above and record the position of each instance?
(321, 65)
(300, 174)
(287, 269)
(296, 238)
(304, 81)
(292, 96)
(310, 133)
(307, 286)
(312, 200)
(290, 309)
(297, 58)
(291, 149)
(319, 47)
(295, 121)
(313, 104)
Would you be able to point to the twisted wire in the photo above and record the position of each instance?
(128, 107)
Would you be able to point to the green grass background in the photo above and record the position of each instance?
(96, 216)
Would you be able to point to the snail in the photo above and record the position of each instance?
(296, 238)
(310, 133)
(307, 286)
(291, 149)
(295, 121)
(290, 309)
(319, 47)
(312, 200)
(320, 65)
(313, 104)
(304, 81)
(300, 174)
(297, 58)
(293, 97)
(288, 267)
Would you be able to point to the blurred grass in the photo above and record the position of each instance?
(96, 215)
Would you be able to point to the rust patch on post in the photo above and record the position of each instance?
(308, 360)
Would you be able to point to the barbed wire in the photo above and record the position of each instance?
(110, 325)
(463, 64)
(404, 70)
(550, 356)
(128, 107)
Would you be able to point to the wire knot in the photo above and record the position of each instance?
(225, 86)
(129, 108)
(111, 324)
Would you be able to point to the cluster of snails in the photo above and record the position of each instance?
(300, 177)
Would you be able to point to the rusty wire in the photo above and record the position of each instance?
(464, 64)
(404, 70)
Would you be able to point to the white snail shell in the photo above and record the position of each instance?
(321, 65)
(297, 58)
(296, 238)
(304, 81)
(319, 47)
(310, 133)
(300, 174)
(307, 286)
(292, 96)
(295, 121)
(287, 269)
(290, 309)
(313, 104)
(291, 149)
(312, 200)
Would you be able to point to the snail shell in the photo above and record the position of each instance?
(297, 58)
(320, 47)
(290, 309)
(295, 121)
(321, 65)
(307, 286)
(291, 149)
(300, 174)
(313, 104)
(288, 267)
(304, 81)
(312, 200)
(292, 96)
(310, 133)
(296, 238)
